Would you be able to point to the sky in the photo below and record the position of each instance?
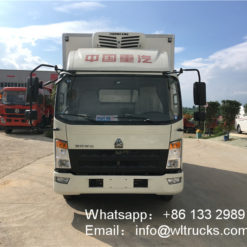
(210, 36)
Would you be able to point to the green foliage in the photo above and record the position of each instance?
(219, 129)
(229, 110)
(245, 108)
(188, 110)
(213, 111)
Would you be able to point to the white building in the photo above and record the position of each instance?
(18, 78)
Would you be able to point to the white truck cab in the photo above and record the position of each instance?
(118, 115)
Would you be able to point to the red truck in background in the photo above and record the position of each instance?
(1, 93)
(189, 126)
(13, 106)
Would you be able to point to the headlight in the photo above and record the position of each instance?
(62, 155)
(2, 120)
(175, 155)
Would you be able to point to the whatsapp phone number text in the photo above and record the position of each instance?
(205, 214)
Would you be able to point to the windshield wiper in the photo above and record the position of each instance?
(78, 115)
(131, 116)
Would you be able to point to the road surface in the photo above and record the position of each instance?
(31, 214)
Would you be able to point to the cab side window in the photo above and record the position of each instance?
(175, 99)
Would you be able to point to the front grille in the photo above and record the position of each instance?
(22, 111)
(10, 110)
(107, 41)
(13, 110)
(118, 162)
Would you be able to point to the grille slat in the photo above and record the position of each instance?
(15, 116)
(128, 41)
(131, 37)
(12, 110)
(119, 41)
(108, 43)
(107, 37)
(108, 46)
(131, 43)
(129, 46)
(7, 110)
(107, 40)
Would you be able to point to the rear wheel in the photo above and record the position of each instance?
(239, 129)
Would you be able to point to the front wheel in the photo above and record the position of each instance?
(70, 197)
(8, 131)
(239, 129)
(166, 198)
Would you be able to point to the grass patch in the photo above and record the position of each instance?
(213, 135)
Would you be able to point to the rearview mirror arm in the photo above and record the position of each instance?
(181, 70)
(198, 72)
(199, 80)
(31, 84)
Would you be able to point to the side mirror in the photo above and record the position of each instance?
(200, 93)
(33, 89)
(31, 115)
(199, 116)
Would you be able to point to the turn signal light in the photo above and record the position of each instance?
(61, 144)
(175, 145)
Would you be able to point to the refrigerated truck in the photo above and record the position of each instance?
(118, 116)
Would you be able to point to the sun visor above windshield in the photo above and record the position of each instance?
(103, 59)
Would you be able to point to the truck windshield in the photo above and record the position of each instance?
(118, 99)
(14, 97)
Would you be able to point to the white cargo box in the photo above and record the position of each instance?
(118, 52)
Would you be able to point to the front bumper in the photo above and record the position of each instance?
(118, 184)
(16, 122)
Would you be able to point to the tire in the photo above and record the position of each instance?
(239, 130)
(166, 198)
(8, 131)
(40, 131)
(70, 197)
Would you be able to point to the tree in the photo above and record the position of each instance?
(245, 108)
(229, 110)
(188, 110)
(212, 113)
